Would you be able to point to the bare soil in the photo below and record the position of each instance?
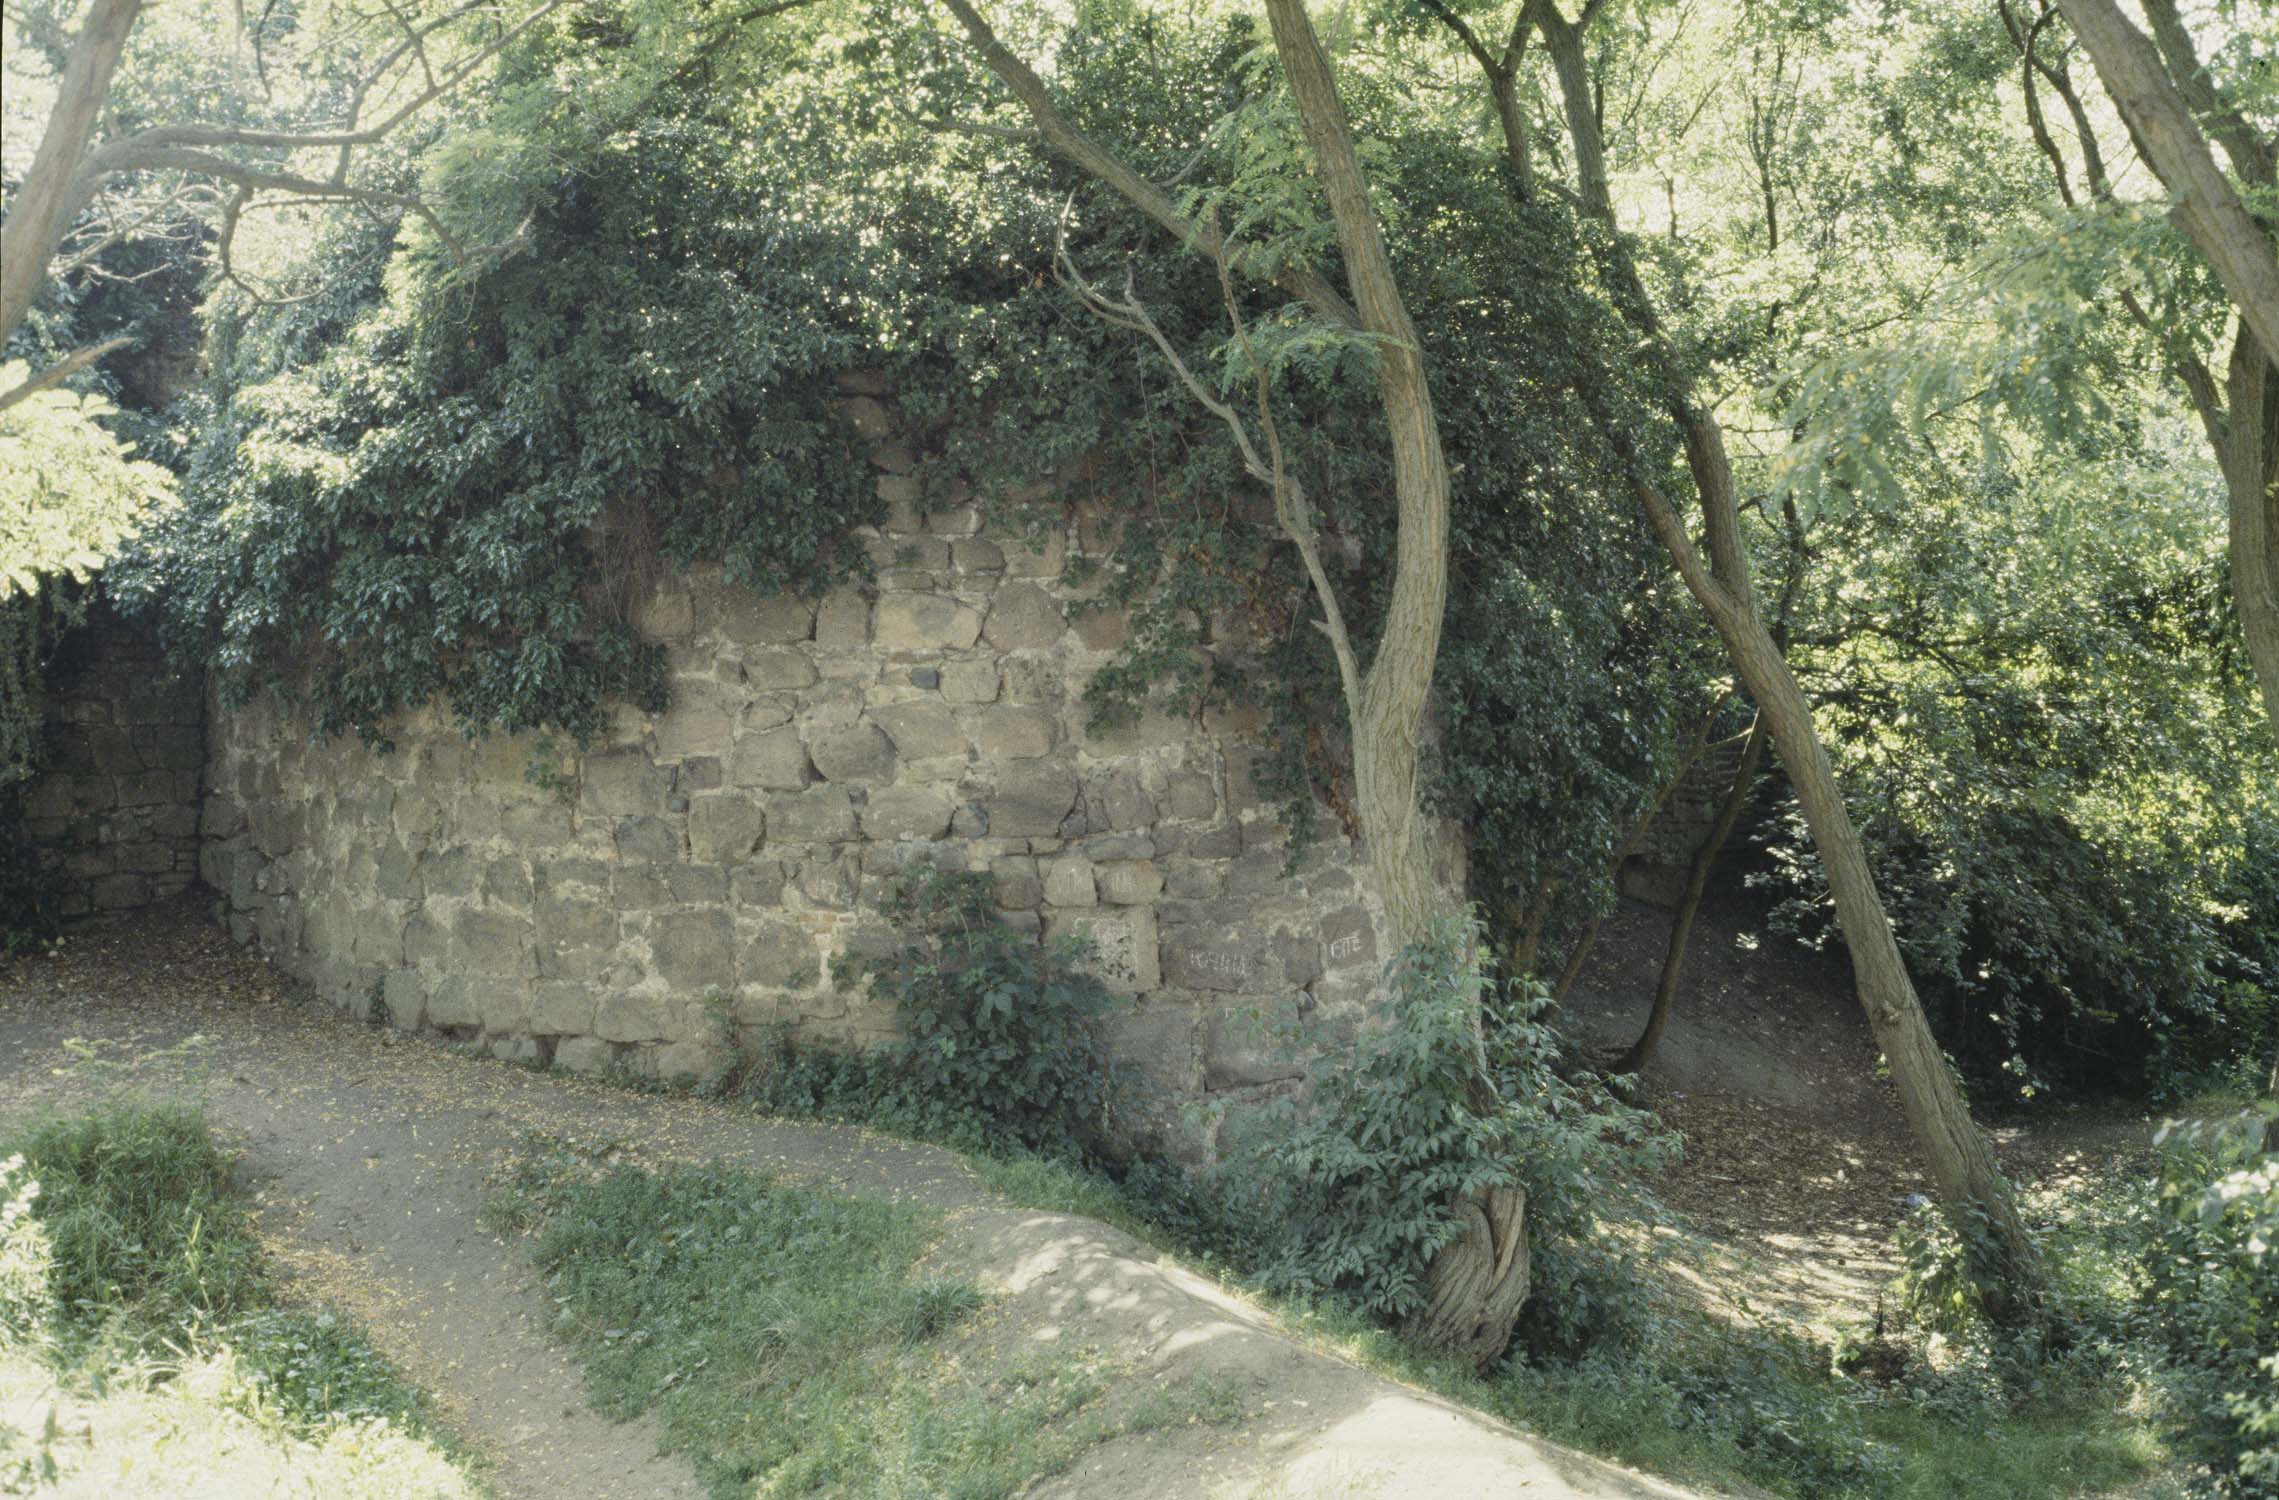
(1798, 1166)
(370, 1155)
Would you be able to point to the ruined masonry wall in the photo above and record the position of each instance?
(738, 842)
(113, 816)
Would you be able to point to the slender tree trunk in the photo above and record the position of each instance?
(49, 196)
(1476, 1286)
(1697, 886)
(2157, 89)
(1977, 1197)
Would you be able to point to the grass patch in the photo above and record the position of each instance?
(792, 1343)
(134, 1297)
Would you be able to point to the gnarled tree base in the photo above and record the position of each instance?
(1478, 1284)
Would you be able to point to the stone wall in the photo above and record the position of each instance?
(738, 842)
(1658, 870)
(113, 817)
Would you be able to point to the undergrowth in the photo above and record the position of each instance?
(793, 1343)
(133, 1289)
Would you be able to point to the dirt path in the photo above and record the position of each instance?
(370, 1155)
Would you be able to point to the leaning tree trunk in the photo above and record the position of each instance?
(2250, 456)
(1697, 886)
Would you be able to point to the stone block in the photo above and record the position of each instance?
(1190, 796)
(969, 681)
(454, 1002)
(779, 955)
(119, 892)
(1031, 799)
(667, 613)
(748, 619)
(620, 783)
(976, 555)
(758, 884)
(1103, 627)
(1069, 881)
(562, 1007)
(505, 1008)
(623, 1016)
(1040, 556)
(1223, 957)
(1005, 733)
(819, 815)
(649, 839)
(1133, 882)
(922, 729)
(918, 812)
(692, 951)
(856, 753)
(697, 723)
(1241, 1050)
(779, 671)
(1349, 938)
(724, 829)
(842, 621)
(404, 994)
(487, 942)
(773, 761)
(506, 882)
(1023, 616)
(923, 622)
(1124, 946)
(583, 1054)
(146, 789)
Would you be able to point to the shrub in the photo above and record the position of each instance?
(999, 1041)
(1360, 1177)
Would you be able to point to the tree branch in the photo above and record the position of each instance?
(62, 370)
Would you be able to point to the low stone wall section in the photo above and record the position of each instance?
(585, 909)
(113, 816)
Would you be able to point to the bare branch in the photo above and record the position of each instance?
(62, 370)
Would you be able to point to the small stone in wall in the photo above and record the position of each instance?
(842, 621)
(691, 950)
(779, 671)
(724, 829)
(647, 839)
(622, 782)
(1004, 733)
(1031, 799)
(819, 815)
(922, 729)
(925, 677)
(1130, 882)
(918, 812)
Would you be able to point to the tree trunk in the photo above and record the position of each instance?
(1476, 1286)
(1976, 1196)
(2250, 458)
(49, 196)
(2157, 90)
(1697, 886)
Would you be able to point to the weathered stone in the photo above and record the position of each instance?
(1103, 627)
(1040, 556)
(822, 814)
(647, 839)
(724, 829)
(757, 884)
(1349, 937)
(623, 1016)
(691, 951)
(1240, 1050)
(1018, 885)
(1003, 733)
(1031, 799)
(1124, 944)
(583, 1054)
(922, 729)
(1069, 881)
(925, 677)
(970, 681)
(857, 753)
(1191, 796)
(622, 782)
(919, 812)
(454, 1002)
(1213, 957)
(506, 882)
(773, 761)
(842, 621)
(923, 622)
(1130, 882)
(404, 995)
(562, 1007)
(779, 671)
(1193, 882)
(575, 936)
(504, 1008)
(780, 955)
(1024, 616)
(970, 821)
(748, 619)
(698, 723)
(974, 555)
(667, 612)
(487, 942)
